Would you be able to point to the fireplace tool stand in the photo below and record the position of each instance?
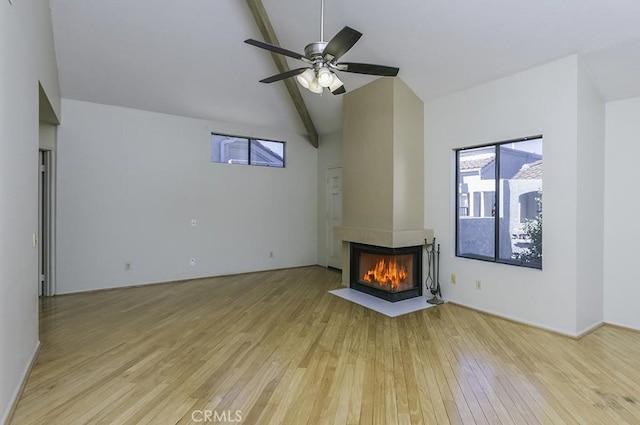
(432, 282)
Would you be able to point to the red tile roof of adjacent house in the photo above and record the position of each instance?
(530, 171)
(473, 163)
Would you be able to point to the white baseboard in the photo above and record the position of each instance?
(621, 326)
(6, 417)
(586, 331)
(518, 320)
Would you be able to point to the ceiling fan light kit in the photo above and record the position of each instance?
(323, 60)
(325, 77)
(314, 87)
(306, 78)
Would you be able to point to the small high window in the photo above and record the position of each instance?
(246, 151)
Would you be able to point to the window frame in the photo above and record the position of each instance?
(250, 141)
(498, 206)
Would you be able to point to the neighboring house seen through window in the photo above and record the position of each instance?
(246, 151)
(499, 202)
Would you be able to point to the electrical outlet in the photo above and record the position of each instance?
(127, 266)
(192, 261)
(193, 222)
(453, 278)
(270, 254)
(478, 284)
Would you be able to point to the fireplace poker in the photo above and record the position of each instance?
(434, 287)
(428, 282)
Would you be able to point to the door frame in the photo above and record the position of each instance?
(46, 222)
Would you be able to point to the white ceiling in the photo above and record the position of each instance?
(188, 57)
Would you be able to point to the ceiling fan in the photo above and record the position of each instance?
(322, 60)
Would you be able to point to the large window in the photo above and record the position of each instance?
(499, 202)
(246, 151)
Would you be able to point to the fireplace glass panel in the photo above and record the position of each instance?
(392, 273)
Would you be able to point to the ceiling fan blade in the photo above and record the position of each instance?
(341, 43)
(283, 75)
(339, 90)
(367, 68)
(276, 49)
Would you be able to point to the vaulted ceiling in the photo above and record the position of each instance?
(188, 57)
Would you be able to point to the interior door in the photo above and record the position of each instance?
(334, 216)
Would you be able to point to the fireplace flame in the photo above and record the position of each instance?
(386, 274)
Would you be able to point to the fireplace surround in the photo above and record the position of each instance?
(393, 274)
(383, 189)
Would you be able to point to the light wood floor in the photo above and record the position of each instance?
(276, 348)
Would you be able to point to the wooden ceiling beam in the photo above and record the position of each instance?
(269, 35)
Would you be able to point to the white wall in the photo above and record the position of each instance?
(27, 57)
(621, 206)
(590, 213)
(541, 100)
(329, 156)
(130, 181)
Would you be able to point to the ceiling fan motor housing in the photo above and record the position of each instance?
(313, 51)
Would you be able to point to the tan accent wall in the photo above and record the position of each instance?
(408, 158)
(367, 154)
(383, 152)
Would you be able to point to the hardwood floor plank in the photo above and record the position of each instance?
(430, 404)
(357, 391)
(403, 390)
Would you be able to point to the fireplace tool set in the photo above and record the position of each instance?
(432, 282)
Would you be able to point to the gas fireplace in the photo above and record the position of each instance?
(392, 274)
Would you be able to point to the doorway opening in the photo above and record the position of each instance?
(334, 217)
